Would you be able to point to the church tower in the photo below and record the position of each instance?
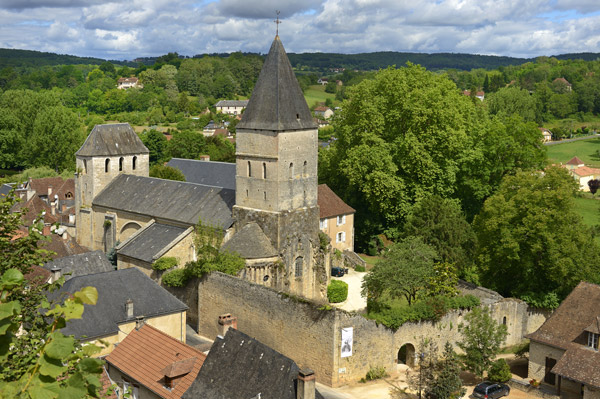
(276, 173)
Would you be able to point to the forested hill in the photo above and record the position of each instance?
(29, 58)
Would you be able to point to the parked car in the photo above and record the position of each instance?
(491, 390)
(338, 271)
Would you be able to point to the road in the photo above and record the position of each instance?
(569, 140)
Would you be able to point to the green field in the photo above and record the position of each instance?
(586, 150)
(316, 93)
(589, 209)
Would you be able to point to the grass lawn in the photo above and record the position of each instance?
(371, 260)
(316, 93)
(584, 149)
(589, 209)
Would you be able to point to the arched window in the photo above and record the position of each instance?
(291, 172)
(504, 320)
(304, 169)
(298, 266)
(249, 169)
(133, 163)
(106, 165)
(121, 164)
(264, 170)
(68, 195)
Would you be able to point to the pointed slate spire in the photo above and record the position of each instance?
(277, 102)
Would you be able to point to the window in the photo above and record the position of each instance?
(106, 165)
(304, 169)
(121, 164)
(593, 340)
(340, 237)
(265, 195)
(323, 223)
(264, 170)
(504, 320)
(341, 220)
(249, 169)
(68, 195)
(299, 264)
(133, 163)
(84, 166)
(291, 172)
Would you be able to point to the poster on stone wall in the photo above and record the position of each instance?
(347, 342)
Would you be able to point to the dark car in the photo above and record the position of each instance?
(491, 390)
(337, 271)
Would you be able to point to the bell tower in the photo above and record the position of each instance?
(276, 171)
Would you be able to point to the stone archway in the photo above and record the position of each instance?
(406, 355)
(128, 230)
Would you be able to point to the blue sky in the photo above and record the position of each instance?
(134, 28)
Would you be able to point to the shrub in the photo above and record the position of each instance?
(360, 268)
(175, 278)
(337, 291)
(165, 263)
(324, 241)
(500, 371)
(375, 373)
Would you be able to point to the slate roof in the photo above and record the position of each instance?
(218, 174)
(81, 264)
(239, 366)
(232, 103)
(330, 204)
(112, 139)
(168, 199)
(5, 190)
(147, 355)
(277, 102)
(150, 243)
(250, 242)
(114, 289)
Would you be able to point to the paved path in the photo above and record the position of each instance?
(569, 140)
(355, 302)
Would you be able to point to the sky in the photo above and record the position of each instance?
(125, 30)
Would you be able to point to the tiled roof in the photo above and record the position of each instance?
(322, 109)
(62, 247)
(586, 171)
(112, 139)
(250, 242)
(571, 318)
(60, 186)
(239, 366)
(330, 204)
(580, 364)
(35, 206)
(232, 103)
(81, 264)
(210, 173)
(575, 161)
(152, 242)
(146, 355)
(277, 102)
(37, 275)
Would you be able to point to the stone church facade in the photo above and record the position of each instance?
(270, 218)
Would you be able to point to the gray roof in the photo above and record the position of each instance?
(232, 103)
(277, 102)
(239, 366)
(218, 174)
(168, 199)
(81, 264)
(114, 289)
(250, 242)
(150, 243)
(113, 139)
(5, 189)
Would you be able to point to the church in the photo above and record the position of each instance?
(270, 218)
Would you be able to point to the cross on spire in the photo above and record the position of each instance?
(277, 21)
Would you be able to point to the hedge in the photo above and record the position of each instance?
(337, 291)
(165, 263)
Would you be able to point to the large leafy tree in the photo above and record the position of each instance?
(531, 242)
(510, 101)
(405, 270)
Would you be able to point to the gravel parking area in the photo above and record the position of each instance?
(355, 302)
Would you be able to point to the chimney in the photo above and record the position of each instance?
(227, 321)
(129, 309)
(46, 230)
(139, 322)
(306, 384)
(49, 191)
(56, 273)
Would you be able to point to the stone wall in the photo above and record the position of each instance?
(537, 359)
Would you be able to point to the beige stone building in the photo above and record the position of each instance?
(336, 219)
(563, 352)
(231, 107)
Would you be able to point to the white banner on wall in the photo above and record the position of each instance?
(347, 342)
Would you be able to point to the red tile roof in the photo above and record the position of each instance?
(147, 355)
(586, 171)
(575, 161)
(59, 186)
(35, 206)
(330, 204)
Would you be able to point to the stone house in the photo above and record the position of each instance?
(323, 112)
(563, 352)
(78, 265)
(336, 219)
(126, 298)
(574, 163)
(547, 134)
(231, 107)
(127, 83)
(150, 364)
(583, 175)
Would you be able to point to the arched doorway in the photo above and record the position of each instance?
(406, 355)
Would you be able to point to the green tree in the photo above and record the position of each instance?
(166, 172)
(482, 338)
(510, 101)
(404, 270)
(156, 142)
(531, 242)
(187, 144)
(499, 371)
(446, 383)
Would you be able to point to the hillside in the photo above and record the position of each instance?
(29, 58)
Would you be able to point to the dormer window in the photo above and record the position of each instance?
(593, 340)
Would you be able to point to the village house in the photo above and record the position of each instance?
(323, 112)
(231, 107)
(562, 85)
(336, 219)
(150, 364)
(323, 81)
(78, 265)
(581, 173)
(479, 94)
(563, 352)
(547, 134)
(127, 83)
(126, 298)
